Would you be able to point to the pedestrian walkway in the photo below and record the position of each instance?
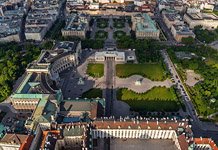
(146, 84)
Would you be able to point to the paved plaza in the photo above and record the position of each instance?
(135, 144)
(71, 77)
(192, 78)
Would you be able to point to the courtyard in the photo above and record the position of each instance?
(135, 144)
(110, 28)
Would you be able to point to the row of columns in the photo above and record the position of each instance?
(129, 133)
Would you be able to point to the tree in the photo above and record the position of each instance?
(188, 40)
(5, 90)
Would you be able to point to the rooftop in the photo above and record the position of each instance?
(173, 17)
(61, 49)
(146, 24)
(183, 30)
(14, 139)
(76, 22)
(202, 16)
(26, 144)
(206, 141)
(155, 124)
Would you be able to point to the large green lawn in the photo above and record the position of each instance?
(95, 70)
(156, 99)
(153, 71)
(92, 93)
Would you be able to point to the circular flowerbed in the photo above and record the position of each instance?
(101, 34)
(102, 23)
(119, 34)
(119, 23)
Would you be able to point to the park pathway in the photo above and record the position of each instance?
(110, 80)
(110, 42)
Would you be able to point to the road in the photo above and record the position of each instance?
(110, 73)
(159, 19)
(199, 128)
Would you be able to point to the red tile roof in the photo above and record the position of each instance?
(150, 124)
(45, 133)
(16, 139)
(208, 141)
(182, 142)
(26, 144)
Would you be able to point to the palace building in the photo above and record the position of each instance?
(144, 27)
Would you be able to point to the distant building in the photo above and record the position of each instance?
(171, 19)
(12, 141)
(40, 18)
(10, 21)
(76, 25)
(207, 6)
(77, 108)
(85, 136)
(144, 27)
(168, 4)
(139, 2)
(37, 95)
(94, 6)
(51, 62)
(67, 137)
(114, 55)
(181, 31)
(206, 20)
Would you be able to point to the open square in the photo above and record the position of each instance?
(135, 144)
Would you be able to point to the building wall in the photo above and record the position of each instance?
(207, 24)
(5, 146)
(81, 34)
(178, 37)
(36, 141)
(152, 35)
(10, 38)
(170, 23)
(35, 36)
(65, 62)
(24, 105)
(107, 12)
(133, 133)
(202, 146)
(74, 113)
